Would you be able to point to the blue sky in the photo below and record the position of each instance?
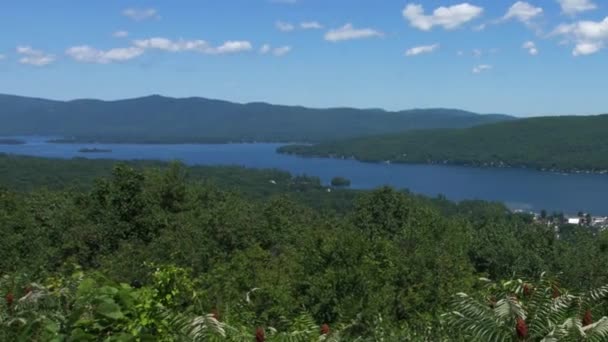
(539, 57)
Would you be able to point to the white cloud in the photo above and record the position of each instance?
(531, 47)
(310, 25)
(265, 49)
(448, 17)
(523, 12)
(588, 37)
(201, 46)
(140, 14)
(120, 34)
(582, 49)
(165, 44)
(34, 57)
(88, 54)
(479, 27)
(278, 52)
(478, 69)
(477, 53)
(572, 7)
(281, 51)
(349, 32)
(284, 27)
(305, 25)
(230, 47)
(418, 50)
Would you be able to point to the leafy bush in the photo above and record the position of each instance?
(517, 310)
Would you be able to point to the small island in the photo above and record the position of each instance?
(11, 141)
(94, 150)
(340, 182)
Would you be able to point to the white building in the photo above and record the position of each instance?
(574, 220)
(600, 221)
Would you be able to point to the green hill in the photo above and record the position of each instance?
(159, 252)
(559, 143)
(164, 119)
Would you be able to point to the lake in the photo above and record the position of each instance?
(518, 188)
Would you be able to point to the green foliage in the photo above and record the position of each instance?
(518, 310)
(21, 173)
(166, 255)
(83, 308)
(551, 143)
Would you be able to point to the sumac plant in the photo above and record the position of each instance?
(518, 310)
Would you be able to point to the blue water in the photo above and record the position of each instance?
(518, 188)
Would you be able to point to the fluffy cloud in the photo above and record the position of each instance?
(572, 7)
(523, 12)
(588, 37)
(582, 49)
(278, 52)
(88, 54)
(418, 50)
(310, 25)
(479, 27)
(281, 51)
(265, 49)
(201, 46)
(531, 47)
(448, 17)
(284, 27)
(34, 57)
(478, 69)
(230, 47)
(165, 44)
(120, 34)
(349, 32)
(139, 14)
(305, 25)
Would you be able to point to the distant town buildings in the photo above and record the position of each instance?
(582, 219)
(600, 221)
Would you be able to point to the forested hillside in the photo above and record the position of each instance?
(21, 173)
(550, 143)
(172, 120)
(158, 253)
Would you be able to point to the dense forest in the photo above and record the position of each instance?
(170, 120)
(22, 173)
(97, 251)
(548, 143)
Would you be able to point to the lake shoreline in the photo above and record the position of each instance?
(10, 141)
(501, 165)
(219, 141)
(519, 188)
(287, 144)
(284, 150)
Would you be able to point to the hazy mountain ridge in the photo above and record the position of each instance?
(165, 119)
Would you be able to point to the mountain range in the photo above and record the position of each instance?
(180, 120)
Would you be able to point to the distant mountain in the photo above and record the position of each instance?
(554, 143)
(163, 119)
